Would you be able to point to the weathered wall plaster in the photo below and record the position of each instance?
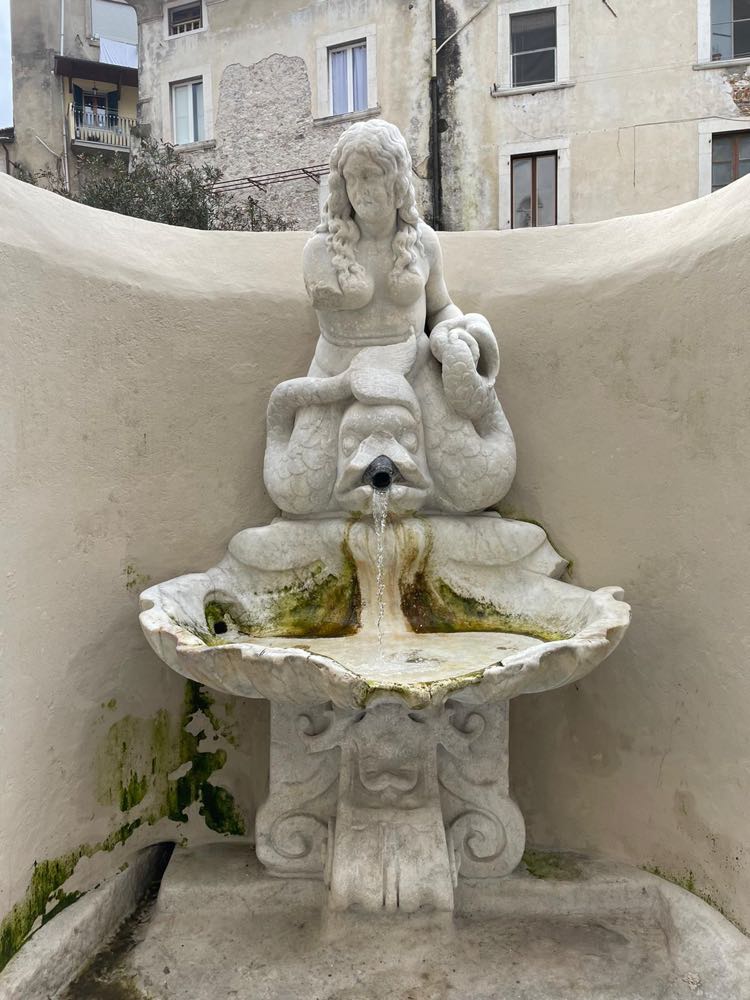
(138, 364)
(250, 111)
(635, 90)
(262, 105)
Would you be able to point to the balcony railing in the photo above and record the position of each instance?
(98, 128)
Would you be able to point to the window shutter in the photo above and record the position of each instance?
(112, 103)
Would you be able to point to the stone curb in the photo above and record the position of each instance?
(52, 958)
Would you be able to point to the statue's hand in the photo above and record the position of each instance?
(448, 332)
(475, 331)
(467, 350)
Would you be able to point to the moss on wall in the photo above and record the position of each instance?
(136, 759)
(686, 880)
(45, 888)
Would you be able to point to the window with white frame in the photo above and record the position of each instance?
(534, 190)
(533, 47)
(347, 77)
(730, 29)
(185, 17)
(534, 183)
(187, 111)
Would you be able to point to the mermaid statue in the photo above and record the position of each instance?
(399, 371)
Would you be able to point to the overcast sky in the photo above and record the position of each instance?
(6, 101)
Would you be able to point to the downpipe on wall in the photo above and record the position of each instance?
(435, 159)
(435, 171)
(64, 158)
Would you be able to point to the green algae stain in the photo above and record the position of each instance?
(419, 694)
(686, 880)
(197, 699)
(217, 804)
(549, 865)
(45, 897)
(133, 579)
(220, 811)
(133, 792)
(139, 754)
(321, 605)
(46, 879)
(128, 759)
(432, 605)
(136, 760)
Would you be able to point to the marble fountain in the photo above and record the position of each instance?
(388, 616)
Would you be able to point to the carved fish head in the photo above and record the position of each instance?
(367, 432)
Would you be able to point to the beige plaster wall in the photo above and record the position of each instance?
(138, 360)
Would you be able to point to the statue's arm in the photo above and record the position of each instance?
(440, 306)
(447, 322)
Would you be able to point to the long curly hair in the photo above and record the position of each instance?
(385, 145)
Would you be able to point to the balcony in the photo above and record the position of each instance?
(99, 129)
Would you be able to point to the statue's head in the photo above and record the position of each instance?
(370, 175)
(366, 145)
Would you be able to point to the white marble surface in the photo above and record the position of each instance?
(603, 932)
(370, 631)
(502, 565)
(378, 385)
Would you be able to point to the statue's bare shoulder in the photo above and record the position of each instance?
(431, 245)
(316, 260)
(320, 276)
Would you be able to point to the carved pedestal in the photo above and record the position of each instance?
(390, 805)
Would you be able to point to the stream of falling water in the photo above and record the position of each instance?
(380, 517)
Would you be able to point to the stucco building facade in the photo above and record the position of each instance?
(621, 122)
(75, 84)
(517, 112)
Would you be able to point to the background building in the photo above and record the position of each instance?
(75, 83)
(517, 112)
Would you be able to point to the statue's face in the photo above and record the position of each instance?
(369, 191)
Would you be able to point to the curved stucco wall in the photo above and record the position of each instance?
(138, 360)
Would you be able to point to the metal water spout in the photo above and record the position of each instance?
(380, 473)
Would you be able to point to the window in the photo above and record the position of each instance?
(116, 27)
(186, 17)
(115, 20)
(94, 110)
(347, 74)
(730, 158)
(345, 79)
(187, 112)
(534, 190)
(533, 47)
(730, 29)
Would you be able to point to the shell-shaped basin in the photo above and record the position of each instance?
(467, 607)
